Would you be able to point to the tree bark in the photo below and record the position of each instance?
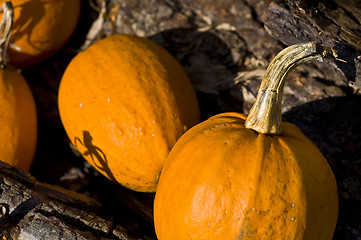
(333, 23)
(34, 210)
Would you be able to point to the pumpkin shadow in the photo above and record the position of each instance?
(25, 24)
(97, 156)
(334, 125)
(28, 19)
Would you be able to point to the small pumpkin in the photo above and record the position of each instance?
(18, 119)
(249, 177)
(124, 102)
(18, 122)
(41, 28)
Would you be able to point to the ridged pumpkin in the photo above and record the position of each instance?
(41, 28)
(124, 102)
(18, 121)
(18, 117)
(239, 177)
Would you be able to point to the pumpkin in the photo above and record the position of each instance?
(18, 119)
(124, 102)
(249, 177)
(18, 122)
(41, 28)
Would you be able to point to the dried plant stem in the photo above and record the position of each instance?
(265, 114)
(5, 30)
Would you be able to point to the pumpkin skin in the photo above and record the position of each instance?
(254, 177)
(18, 124)
(124, 102)
(223, 181)
(41, 28)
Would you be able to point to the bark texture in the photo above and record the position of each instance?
(34, 210)
(333, 23)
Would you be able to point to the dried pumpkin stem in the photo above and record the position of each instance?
(265, 114)
(5, 30)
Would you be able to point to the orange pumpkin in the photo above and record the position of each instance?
(18, 119)
(41, 28)
(255, 177)
(124, 102)
(18, 124)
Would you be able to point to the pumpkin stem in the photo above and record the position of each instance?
(5, 30)
(265, 114)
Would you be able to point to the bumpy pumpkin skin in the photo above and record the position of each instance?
(41, 28)
(124, 102)
(223, 181)
(18, 120)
